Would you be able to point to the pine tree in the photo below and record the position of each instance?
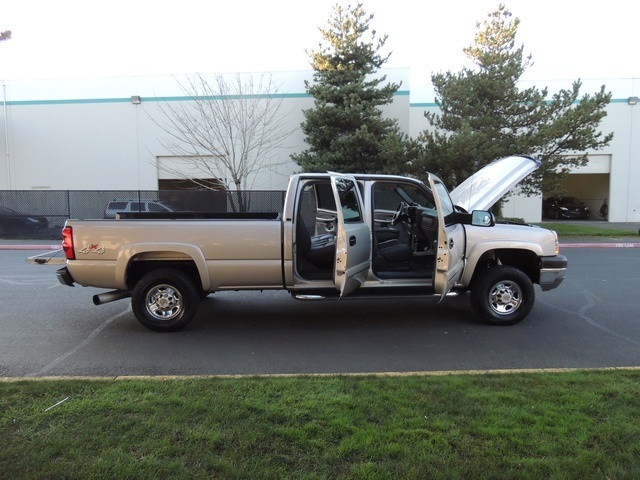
(345, 131)
(484, 115)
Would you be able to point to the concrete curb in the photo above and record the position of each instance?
(600, 245)
(434, 373)
(31, 247)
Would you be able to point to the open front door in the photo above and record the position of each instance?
(451, 242)
(353, 239)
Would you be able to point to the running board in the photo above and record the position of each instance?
(376, 294)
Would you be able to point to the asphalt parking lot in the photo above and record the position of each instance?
(47, 329)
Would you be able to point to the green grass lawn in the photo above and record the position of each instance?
(575, 230)
(581, 425)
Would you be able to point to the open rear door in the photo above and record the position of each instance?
(353, 239)
(451, 242)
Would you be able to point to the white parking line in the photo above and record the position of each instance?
(82, 344)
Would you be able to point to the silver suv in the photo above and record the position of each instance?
(117, 206)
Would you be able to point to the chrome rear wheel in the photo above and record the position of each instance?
(165, 300)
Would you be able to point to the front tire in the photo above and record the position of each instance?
(165, 300)
(503, 295)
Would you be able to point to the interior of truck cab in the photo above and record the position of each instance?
(404, 231)
(315, 242)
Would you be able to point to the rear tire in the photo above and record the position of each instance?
(165, 300)
(502, 295)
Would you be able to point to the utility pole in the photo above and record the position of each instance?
(6, 133)
(6, 35)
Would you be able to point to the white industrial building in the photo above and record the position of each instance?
(100, 134)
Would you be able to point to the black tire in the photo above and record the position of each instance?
(165, 300)
(502, 295)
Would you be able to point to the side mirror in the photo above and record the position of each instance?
(481, 218)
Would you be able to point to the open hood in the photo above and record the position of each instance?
(487, 186)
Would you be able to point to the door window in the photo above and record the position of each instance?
(445, 201)
(349, 204)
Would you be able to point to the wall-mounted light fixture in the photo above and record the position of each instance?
(632, 100)
(136, 100)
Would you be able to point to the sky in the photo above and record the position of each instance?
(87, 38)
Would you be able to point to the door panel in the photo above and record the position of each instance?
(449, 258)
(353, 240)
(382, 217)
(451, 242)
(325, 221)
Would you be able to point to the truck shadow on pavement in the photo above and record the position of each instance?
(278, 311)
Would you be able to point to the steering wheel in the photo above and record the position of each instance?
(400, 213)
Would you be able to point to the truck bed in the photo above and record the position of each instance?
(198, 215)
(230, 251)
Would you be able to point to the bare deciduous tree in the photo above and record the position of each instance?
(227, 127)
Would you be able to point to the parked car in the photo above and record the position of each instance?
(13, 223)
(127, 206)
(565, 208)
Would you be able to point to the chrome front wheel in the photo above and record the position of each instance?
(502, 295)
(505, 297)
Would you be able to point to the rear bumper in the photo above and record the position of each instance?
(552, 271)
(64, 277)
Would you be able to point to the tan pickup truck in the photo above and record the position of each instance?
(336, 236)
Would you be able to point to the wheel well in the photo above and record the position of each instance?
(140, 267)
(524, 260)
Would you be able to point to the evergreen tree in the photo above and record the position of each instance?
(484, 115)
(345, 131)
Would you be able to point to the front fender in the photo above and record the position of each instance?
(477, 251)
(161, 251)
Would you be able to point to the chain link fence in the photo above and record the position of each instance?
(41, 213)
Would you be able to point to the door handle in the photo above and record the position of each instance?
(451, 243)
(352, 240)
